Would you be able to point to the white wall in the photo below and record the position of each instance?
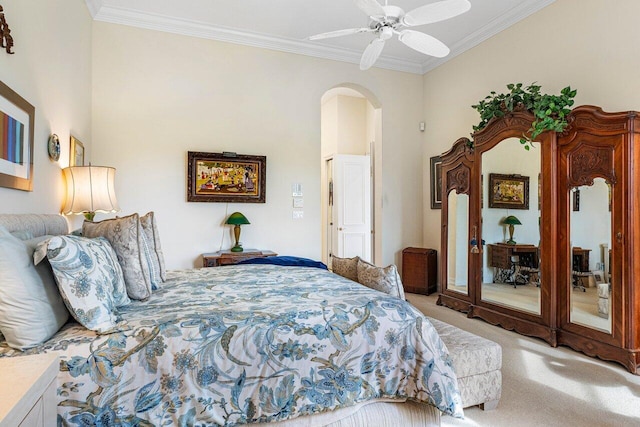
(51, 69)
(590, 45)
(591, 225)
(157, 95)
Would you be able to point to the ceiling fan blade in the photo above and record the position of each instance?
(371, 7)
(435, 12)
(423, 43)
(371, 54)
(340, 33)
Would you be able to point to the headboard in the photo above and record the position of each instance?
(37, 224)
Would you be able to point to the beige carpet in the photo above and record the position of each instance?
(546, 386)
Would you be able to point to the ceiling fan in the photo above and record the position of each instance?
(385, 21)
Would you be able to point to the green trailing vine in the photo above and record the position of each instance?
(550, 111)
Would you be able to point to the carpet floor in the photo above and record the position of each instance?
(545, 386)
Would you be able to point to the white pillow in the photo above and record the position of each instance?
(125, 236)
(385, 279)
(84, 271)
(152, 261)
(31, 309)
(150, 228)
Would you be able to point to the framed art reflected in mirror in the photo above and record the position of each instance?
(508, 191)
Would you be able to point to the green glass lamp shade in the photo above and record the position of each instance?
(511, 221)
(237, 219)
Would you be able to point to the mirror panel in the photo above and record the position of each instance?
(458, 242)
(590, 237)
(511, 226)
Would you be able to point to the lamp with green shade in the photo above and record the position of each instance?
(511, 221)
(237, 219)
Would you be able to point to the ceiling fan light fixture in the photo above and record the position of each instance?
(386, 33)
(388, 20)
(435, 12)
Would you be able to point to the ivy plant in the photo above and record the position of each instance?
(549, 111)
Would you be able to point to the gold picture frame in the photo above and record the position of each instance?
(16, 158)
(76, 153)
(226, 177)
(508, 191)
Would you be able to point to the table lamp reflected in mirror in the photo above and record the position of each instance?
(511, 221)
(237, 219)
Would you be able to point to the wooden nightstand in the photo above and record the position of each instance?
(216, 259)
(28, 390)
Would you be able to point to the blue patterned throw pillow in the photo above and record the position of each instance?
(85, 272)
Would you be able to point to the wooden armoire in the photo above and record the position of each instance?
(574, 192)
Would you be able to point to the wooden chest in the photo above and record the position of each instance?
(420, 270)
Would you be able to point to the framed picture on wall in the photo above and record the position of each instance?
(508, 191)
(16, 140)
(226, 177)
(436, 182)
(76, 153)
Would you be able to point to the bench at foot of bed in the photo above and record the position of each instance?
(477, 362)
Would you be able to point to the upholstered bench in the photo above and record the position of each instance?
(477, 362)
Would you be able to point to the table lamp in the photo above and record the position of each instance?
(511, 221)
(237, 219)
(90, 189)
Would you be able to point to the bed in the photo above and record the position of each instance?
(254, 344)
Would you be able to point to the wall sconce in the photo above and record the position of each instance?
(237, 219)
(90, 189)
(511, 221)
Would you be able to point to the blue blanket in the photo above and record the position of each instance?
(288, 261)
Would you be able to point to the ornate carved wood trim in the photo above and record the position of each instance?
(6, 41)
(517, 123)
(461, 148)
(459, 179)
(587, 162)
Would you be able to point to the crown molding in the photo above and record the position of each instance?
(94, 6)
(501, 23)
(139, 19)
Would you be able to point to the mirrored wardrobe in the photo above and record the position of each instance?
(546, 241)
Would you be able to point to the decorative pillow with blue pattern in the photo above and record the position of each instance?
(87, 275)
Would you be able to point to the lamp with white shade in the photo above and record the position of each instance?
(90, 189)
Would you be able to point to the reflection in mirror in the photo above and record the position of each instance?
(511, 225)
(590, 236)
(458, 242)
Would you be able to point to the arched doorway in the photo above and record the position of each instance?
(351, 129)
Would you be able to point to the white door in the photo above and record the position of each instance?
(350, 215)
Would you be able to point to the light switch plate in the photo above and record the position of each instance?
(298, 214)
(298, 202)
(296, 190)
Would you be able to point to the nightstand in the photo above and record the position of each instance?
(217, 259)
(28, 390)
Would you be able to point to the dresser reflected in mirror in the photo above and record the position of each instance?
(510, 225)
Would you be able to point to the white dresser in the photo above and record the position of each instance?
(28, 391)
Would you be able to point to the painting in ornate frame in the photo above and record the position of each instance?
(76, 153)
(226, 177)
(16, 140)
(508, 191)
(436, 182)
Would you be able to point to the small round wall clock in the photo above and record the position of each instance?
(53, 147)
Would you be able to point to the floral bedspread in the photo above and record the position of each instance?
(253, 343)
